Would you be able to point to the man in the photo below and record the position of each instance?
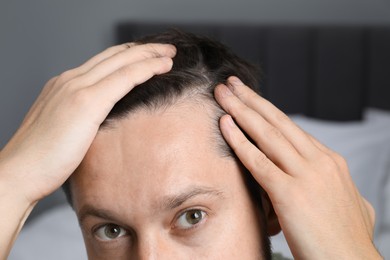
(153, 177)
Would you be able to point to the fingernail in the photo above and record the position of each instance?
(173, 49)
(230, 121)
(167, 59)
(236, 81)
(226, 91)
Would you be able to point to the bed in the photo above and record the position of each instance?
(332, 80)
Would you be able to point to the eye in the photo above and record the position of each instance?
(190, 218)
(110, 232)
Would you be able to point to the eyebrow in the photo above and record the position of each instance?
(172, 202)
(167, 203)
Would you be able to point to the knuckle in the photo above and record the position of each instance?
(326, 164)
(157, 49)
(120, 47)
(70, 85)
(252, 95)
(240, 94)
(67, 74)
(51, 82)
(147, 50)
(261, 161)
(81, 97)
(124, 72)
(239, 144)
(282, 118)
(247, 97)
(243, 143)
(123, 46)
(272, 132)
(339, 159)
(153, 50)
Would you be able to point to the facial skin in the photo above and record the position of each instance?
(150, 173)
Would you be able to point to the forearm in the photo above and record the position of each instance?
(336, 249)
(14, 210)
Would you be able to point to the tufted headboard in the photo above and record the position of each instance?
(327, 72)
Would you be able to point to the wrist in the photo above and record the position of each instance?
(357, 246)
(14, 208)
(12, 186)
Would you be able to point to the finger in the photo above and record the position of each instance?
(131, 55)
(109, 52)
(110, 60)
(115, 86)
(70, 74)
(368, 214)
(89, 64)
(266, 173)
(268, 138)
(297, 137)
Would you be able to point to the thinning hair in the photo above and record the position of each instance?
(199, 66)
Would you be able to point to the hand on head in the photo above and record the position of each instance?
(61, 125)
(321, 212)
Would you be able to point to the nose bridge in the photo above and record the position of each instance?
(154, 246)
(149, 250)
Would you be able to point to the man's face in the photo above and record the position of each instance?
(154, 186)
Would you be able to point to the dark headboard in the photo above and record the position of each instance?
(326, 72)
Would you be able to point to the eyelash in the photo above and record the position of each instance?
(101, 227)
(182, 213)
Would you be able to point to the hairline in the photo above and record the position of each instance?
(196, 97)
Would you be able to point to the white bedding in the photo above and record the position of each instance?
(365, 145)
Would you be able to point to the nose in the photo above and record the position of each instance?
(155, 247)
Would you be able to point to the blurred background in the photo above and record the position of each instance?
(42, 38)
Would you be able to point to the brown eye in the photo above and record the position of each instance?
(110, 232)
(190, 218)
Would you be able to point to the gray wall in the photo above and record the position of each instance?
(41, 38)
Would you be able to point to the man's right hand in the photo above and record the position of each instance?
(61, 125)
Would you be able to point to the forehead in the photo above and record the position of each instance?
(152, 151)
